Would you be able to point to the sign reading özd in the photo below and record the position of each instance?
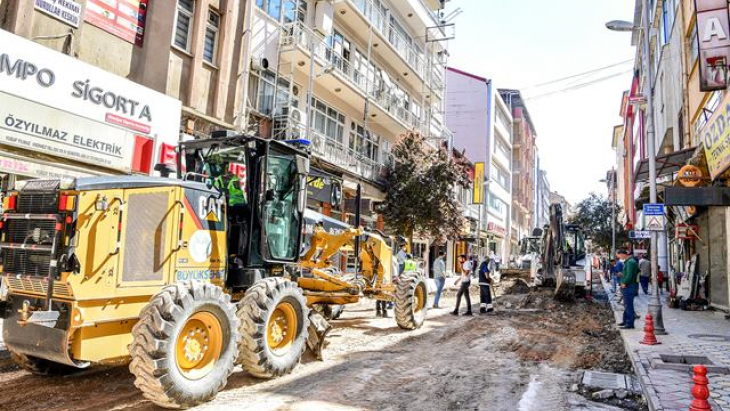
(715, 138)
(713, 37)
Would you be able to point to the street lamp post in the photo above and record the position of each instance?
(655, 305)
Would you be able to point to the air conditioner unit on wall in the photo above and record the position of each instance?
(297, 124)
(323, 21)
(259, 63)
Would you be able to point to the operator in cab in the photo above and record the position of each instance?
(226, 181)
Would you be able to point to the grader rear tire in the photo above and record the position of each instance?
(411, 301)
(274, 321)
(40, 366)
(184, 345)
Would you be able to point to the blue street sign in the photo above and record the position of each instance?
(638, 234)
(654, 209)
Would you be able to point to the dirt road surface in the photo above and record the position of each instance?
(523, 357)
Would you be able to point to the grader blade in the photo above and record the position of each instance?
(318, 330)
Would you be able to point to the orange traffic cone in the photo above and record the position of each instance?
(649, 337)
(700, 390)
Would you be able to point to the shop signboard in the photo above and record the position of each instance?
(122, 18)
(496, 229)
(715, 138)
(324, 188)
(67, 108)
(478, 189)
(29, 168)
(67, 11)
(713, 38)
(639, 234)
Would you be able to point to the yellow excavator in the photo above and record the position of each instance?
(182, 277)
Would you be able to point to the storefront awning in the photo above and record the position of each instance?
(665, 164)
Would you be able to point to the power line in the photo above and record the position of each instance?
(579, 86)
(577, 75)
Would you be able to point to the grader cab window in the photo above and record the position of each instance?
(281, 210)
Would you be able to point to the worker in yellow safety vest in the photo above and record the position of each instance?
(409, 264)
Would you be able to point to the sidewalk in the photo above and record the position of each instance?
(705, 333)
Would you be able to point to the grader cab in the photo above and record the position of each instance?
(182, 278)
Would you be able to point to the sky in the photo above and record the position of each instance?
(522, 43)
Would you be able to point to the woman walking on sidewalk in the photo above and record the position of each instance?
(464, 288)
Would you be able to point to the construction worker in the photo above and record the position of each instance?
(401, 258)
(409, 264)
(226, 181)
(485, 292)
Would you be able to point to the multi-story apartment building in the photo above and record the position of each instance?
(353, 75)
(567, 208)
(482, 125)
(524, 150)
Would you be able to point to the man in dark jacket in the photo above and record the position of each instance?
(485, 293)
(629, 288)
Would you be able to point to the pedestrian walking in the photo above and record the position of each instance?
(629, 288)
(497, 262)
(465, 280)
(616, 270)
(644, 273)
(439, 274)
(485, 292)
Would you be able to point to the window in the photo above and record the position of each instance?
(496, 205)
(707, 111)
(210, 45)
(669, 8)
(338, 51)
(327, 121)
(364, 142)
(500, 176)
(504, 120)
(261, 92)
(502, 148)
(284, 11)
(184, 24)
(693, 45)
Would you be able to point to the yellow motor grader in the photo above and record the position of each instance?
(183, 278)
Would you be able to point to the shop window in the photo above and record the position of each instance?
(210, 46)
(184, 24)
(693, 46)
(500, 176)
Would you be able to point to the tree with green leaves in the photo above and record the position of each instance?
(420, 190)
(593, 215)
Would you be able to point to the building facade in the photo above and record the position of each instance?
(482, 125)
(542, 198)
(524, 153)
(683, 115)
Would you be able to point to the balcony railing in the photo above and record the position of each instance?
(405, 48)
(328, 149)
(338, 154)
(388, 97)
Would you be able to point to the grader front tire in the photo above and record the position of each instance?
(411, 302)
(274, 321)
(184, 345)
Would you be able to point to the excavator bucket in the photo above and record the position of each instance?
(564, 284)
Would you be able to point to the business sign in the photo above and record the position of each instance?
(496, 229)
(324, 188)
(67, 11)
(68, 108)
(639, 234)
(715, 137)
(478, 186)
(122, 18)
(713, 38)
(30, 168)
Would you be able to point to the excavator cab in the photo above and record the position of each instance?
(264, 186)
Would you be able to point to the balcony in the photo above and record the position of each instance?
(388, 99)
(330, 150)
(405, 56)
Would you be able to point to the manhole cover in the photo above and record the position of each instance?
(710, 337)
(680, 362)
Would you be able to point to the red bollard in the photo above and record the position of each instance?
(700, 390)
(649, 337)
